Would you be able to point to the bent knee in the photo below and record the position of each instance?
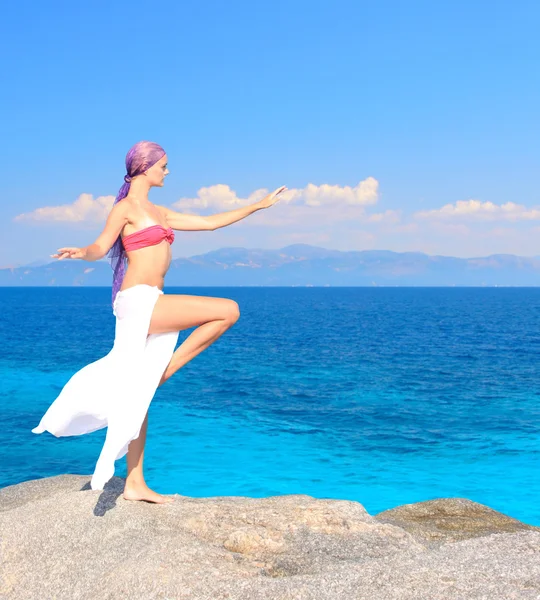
(232, 312)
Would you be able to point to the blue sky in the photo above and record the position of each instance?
(396, 125)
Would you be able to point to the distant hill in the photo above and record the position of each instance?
(300, 265)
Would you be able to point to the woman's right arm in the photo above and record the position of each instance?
(118, 217)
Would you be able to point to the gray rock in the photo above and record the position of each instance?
(61, 540)
(450, 520)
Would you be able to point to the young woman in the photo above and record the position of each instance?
(116, 390)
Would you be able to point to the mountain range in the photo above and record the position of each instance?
(300, 265)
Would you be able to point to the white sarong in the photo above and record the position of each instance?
(116, 390)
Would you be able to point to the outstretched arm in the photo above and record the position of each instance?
(185, 222)
(114, 225)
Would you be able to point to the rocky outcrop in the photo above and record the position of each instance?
(450, 520)
(61, 540)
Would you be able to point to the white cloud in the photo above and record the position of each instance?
(340, 217)
(363, 194)
(221, 196)
(481, 211)
(84, 209)
(332, 200)
(218, 196)
(386, 217)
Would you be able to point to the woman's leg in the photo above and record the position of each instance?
(136, 488)
(212, 317)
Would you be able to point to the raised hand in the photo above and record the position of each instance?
(69, 253)
(272, 198)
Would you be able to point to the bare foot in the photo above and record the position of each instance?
(142, 492)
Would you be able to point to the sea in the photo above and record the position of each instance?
(384, 396)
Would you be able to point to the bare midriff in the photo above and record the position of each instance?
(148, 266)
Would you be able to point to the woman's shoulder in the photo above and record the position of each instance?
(123, 205)
(124, 208)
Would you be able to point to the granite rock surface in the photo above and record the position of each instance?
(59, 539)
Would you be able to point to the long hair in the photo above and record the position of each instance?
(139, 159)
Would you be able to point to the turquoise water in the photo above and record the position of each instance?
(385, 396)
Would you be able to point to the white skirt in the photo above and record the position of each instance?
(116, 390)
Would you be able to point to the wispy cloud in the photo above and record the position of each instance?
(386, 217)
(481, 211)
(85, 209)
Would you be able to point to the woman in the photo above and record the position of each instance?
(116, 391)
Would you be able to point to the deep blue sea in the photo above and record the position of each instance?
(385, 396)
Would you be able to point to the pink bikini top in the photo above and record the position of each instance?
(149, 236)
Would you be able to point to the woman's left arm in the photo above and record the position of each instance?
(185, 222)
